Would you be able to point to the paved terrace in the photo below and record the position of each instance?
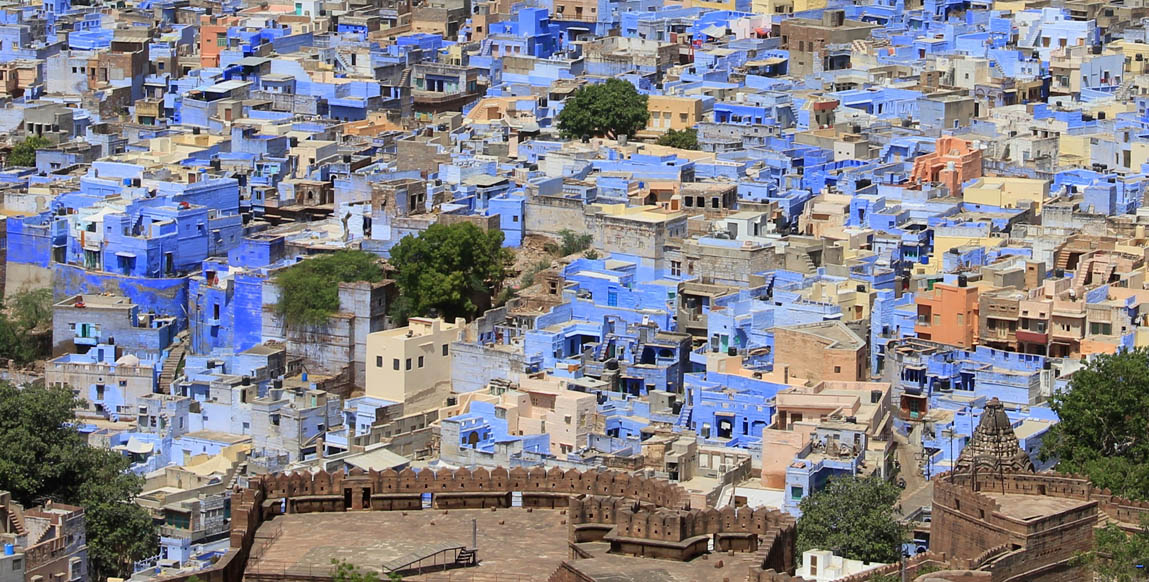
(514, 546)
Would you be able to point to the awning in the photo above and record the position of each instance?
(125, 254)
(136, 447)
(714, 31)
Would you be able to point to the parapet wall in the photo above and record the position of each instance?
(683, 534)
(970, 526)
(630, 495)
(1063, 485)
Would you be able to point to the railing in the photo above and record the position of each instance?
(280, 571)
(179, 532)
(146, 563)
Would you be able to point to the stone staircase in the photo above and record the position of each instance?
(1124, 90)
(172, 363)
(684, 416)
(467, 557)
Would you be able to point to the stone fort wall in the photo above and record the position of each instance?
(1040, 548)
(645, 515)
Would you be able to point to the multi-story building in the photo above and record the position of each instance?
(412, 365)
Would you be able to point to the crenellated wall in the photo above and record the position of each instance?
(639, 515)
(682, 534)
(970, 526)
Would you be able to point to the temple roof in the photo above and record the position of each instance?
(994, 446)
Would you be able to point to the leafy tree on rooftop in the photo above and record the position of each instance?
(1103, 430)
(309, 290)
(686, 139)
(855, 516)
(23, 154)
(347, 572)
(1118, 556)
(609, 109)
(449, 271)
(44, 457)
(26, 327)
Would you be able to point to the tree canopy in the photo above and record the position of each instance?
(43, 456)
(686, 139)
(26, 326)
(24, 153)
(1103, 431)
(855, 516)
(309, 290)
(609, 109)
(1118, 556)
(449, 270)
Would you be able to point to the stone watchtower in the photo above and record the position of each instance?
(994, 447)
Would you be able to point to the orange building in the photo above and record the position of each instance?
(948, 314)
(213, 37)
(954, 162)
(827, 350)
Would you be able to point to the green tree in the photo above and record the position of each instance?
(1118, 556)
(609, 109)
(345, 571)
(1103, 431)
(686, 139)
(573, 242)
(24, 153)
(33, 309)
(855, 516)
(309, 290)
(43, 456)
(26, 327)
(451, 270)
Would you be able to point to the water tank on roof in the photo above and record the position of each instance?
(9, 549)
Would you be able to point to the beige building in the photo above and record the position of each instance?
(669, 112)
(536, 405)
(412, 365)
(1007, 192)
(827, 350)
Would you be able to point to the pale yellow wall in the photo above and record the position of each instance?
(716, 5)
(1074, 145)
(774, 7)
(942, 245)
(683, 112)
(385, 347)
(1006, 192)
(1139, 154)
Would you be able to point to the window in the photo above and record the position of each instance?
(378, 361)
(408, 363)
(675, 268)
(420, 361)
(837, 369)
(515, 218)
(221, 40)
(795, 493)
(937, 319)
(395, 363)
(444, 349)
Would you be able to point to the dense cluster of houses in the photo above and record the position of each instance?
(896, 212)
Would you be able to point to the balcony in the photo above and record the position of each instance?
(1032, 337)
(170, 531)
(437, 98)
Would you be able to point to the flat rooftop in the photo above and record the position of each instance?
(1033, 506)
(512, 542)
